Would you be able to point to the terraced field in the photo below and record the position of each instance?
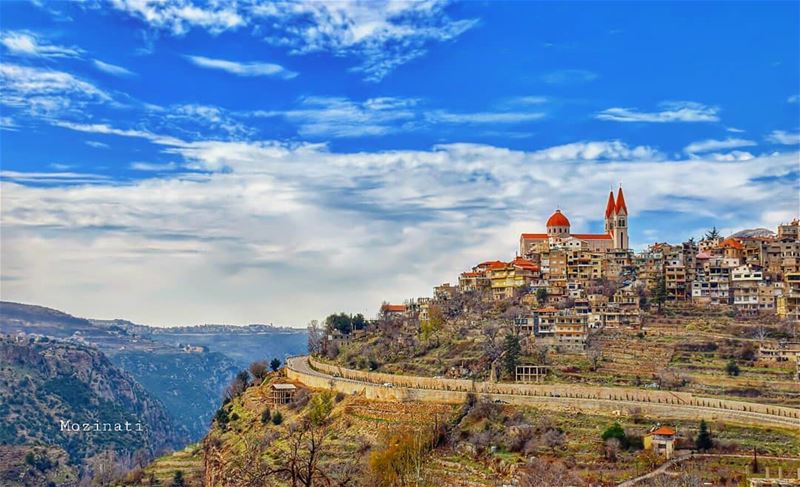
(189, 461)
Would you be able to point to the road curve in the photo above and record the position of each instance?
(300, 369)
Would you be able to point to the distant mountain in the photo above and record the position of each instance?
(46, 384)
(754, 232)
(188, 380)
(242, 344)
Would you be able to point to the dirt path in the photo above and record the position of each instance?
(662, 469)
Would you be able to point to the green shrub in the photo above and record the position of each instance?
(617, 432)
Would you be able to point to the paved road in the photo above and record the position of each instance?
(301, 365)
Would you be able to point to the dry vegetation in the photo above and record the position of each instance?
(327, 439)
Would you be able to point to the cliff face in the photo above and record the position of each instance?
(46, 385)
(189, 385)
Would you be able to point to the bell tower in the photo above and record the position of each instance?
(609, 219)
(619, 222)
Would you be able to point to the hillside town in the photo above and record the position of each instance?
(569, 283)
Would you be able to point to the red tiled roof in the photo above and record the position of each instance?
(663, 430)
(547, 310)
(394, 308)
(557, 219)
(471, 274)
(734, 244)
(591, 236)
(534, 236)
(490, 263)
(610, 205)
(525, 264)
(620, 203)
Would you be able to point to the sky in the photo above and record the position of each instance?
(187, 162)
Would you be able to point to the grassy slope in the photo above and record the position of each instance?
(358, 425)
(629, 357)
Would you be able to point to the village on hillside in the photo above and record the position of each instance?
(567, 284)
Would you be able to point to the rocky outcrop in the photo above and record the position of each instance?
(72, 396)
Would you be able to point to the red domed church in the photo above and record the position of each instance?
(559, 234)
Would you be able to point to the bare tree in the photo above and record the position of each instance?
(490, 333)
(315, 337)
(761, 333)
(104, 468)
(594, 352)
(553, 439)
(541, 473)
(258, 369)
(611, 449)
(303, 450)
(249, 468)
(540, 354)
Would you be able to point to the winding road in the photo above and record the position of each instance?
(452, 390)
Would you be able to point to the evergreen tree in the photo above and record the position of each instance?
(703, 440)
(178, 480)
(660, 292)
(732, 368)
(615, 431)
(511, 357)
(275, 365)
(712, 234)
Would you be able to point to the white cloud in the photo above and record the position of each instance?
(569, 76)
(676, 111)
(179, 16)
(714, 145)
(783, 137)
(54, 177)
(96, 144)
(384, 35)
(105, 129)
(528, 100)
(27, 44)
(243, 68)
(150, 166)
(322, 116)
(291, 232)
(112, 69)
(598, 150)
(8, 123)
(792, 99)
(730, 156)
(734, 130)
(442, 116)
(45, 92)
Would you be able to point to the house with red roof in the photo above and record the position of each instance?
(661, 439)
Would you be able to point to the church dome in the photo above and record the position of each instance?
(557, 220)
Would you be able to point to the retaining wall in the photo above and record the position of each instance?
(623, 400)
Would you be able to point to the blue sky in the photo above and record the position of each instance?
(183, 162)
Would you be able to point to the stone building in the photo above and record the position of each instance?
(661, 440)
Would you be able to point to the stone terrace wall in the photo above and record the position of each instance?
(407, 387)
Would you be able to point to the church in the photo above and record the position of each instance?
(559, 233)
